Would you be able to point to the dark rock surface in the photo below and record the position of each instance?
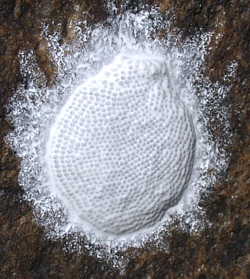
(222, 250)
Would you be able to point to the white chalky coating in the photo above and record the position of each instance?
(121, 150)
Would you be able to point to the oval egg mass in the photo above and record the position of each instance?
(121, 150)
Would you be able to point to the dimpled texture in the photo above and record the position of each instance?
(121, 150)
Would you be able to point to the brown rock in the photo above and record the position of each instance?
(222, 250)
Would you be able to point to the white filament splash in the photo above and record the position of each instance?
(34, 110)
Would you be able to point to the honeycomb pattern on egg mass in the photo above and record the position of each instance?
(121, 150)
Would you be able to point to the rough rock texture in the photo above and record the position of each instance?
(221, 251)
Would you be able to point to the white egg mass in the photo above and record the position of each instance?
(121, 150)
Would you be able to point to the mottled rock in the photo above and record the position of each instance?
(221, 250)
